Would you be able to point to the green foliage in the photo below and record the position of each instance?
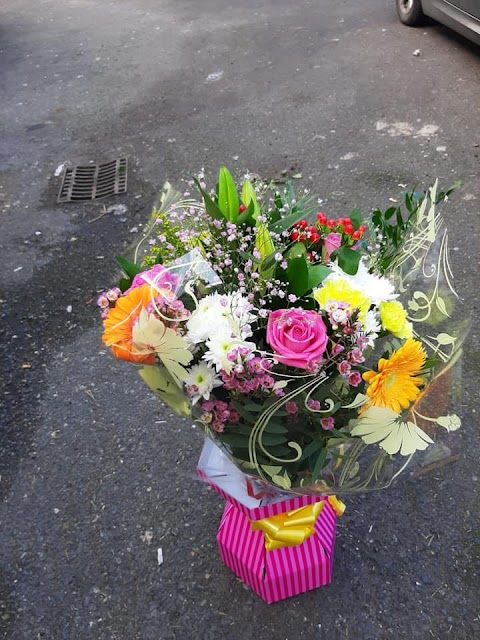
(249, 199)
(130, 269)
(228, 202)
(348, 259)
(394, 224)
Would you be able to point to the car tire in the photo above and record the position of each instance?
(410, 12)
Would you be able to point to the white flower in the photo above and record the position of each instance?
(376, 288)
(228, 314)
(200, 381)
(371, 326)
(220, 347)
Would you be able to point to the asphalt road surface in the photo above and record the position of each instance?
(96, 476)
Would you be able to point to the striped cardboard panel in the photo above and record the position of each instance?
(266, 511)
(276, 575)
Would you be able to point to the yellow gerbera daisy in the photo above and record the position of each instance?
(396, 384)
(341, 291)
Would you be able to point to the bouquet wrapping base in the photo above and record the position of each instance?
(282, 573)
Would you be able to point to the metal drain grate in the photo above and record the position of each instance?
(94, 181)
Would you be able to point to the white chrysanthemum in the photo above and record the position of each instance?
(219, 348)
(201, 380)
(376, 288)
(228, 314)
(371, 326)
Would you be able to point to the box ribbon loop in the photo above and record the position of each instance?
(289, 529)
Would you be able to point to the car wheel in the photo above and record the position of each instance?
(410, 12)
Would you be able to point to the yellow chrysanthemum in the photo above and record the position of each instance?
(341, 291)
(396, 384)
(394, 319)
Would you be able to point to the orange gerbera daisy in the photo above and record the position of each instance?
(396, 384)
(119, 321)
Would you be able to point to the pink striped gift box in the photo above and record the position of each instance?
(276, 575)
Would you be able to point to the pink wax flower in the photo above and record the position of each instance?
(297, 337)
(354, 379)
(356, 356)
(331, 242)
(327, 423)
(102, 301)
(291, 408)
(344, 367)
(158, 277)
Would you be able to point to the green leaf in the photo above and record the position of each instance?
(377, 218)
(248, 216)
(311, 448)
(288, 221)
(124, 284)
(319, 464)
(254, 408)
(297, 276)
(348, 259)
(400, 222)
(275, 427)
(249, 199)
(228, 202)
(263, 242)
(234, 440)
(265, 247)
(130, 268)
(271, 439)
(245, 414)
(317, 274)
(211, 207)
(389, 213)
(431, 363)
(356, 218)
(297, 250)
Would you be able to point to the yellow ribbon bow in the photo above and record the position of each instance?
(337, 505)
(289, 529)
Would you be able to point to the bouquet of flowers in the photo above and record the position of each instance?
(305, 346)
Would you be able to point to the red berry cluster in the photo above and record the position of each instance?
(312, 235)
(303, 233)
(342, 225)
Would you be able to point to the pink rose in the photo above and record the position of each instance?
(331, 242)
(297, 337)
(158, 277)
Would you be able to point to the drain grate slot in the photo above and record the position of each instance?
(93, 181)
